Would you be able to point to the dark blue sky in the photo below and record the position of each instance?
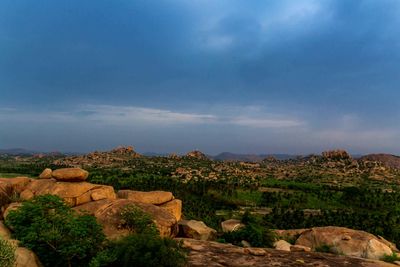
(295, 76)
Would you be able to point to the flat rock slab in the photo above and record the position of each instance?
(70, 174)
(151, 197)
(213, 254)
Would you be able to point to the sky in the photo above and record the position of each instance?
(260, 76)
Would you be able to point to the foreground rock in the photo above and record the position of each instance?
(152, 197)
(108, 214)
(70, 174)
(345, 241)
(213, 254)
(196, 229)
(73, 193)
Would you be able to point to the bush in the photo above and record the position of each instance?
(7, 253)
(58, 235)
(390, 258)
(254, 233)
(138, 221)
(141, 250)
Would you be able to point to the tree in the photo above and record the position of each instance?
(58, 235)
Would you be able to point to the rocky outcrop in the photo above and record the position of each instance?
(74, 194)
(196, 154)
(231, 225)
(336, 154)
(117, 157)
(196, 229)
(213, 254)
(108, 214)
(152, 197)
(345, 241)
(70, 174)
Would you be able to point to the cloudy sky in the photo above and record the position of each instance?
(278, 76)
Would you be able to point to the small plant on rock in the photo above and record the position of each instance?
(138, 221)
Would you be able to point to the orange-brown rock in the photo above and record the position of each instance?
(196, 229)
(152, 197)
(70, 174)
(46, 174)
(174, 207)
(26, 258)
(18, 184)
(344, 241)
(73, 193)
(108, 214)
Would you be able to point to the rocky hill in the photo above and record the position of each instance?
(116, 157)
(390, 161)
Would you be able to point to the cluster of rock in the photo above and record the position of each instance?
(196, 154)
(336, 154)
(337, 240)
(116, 157)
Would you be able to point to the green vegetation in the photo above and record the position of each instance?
(254, 232)
(7, 253)
(137, 221)
(143, 247)
(142, 250)
(390, 258)
(58, 235)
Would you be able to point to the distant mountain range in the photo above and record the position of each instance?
(228, 156)
(17, 151)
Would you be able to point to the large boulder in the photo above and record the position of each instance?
(152, 197)
(70, 174)
(174, 207)
(344, 241)
(108, 214)
(196, 230)
(231, 225)
(46, 174)
(73, 193)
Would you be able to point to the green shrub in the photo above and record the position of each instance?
(254, 232)
(324, 248)
(141, 250)
(138, 221)
(58, 235)
(390, 258)
(7, 253)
